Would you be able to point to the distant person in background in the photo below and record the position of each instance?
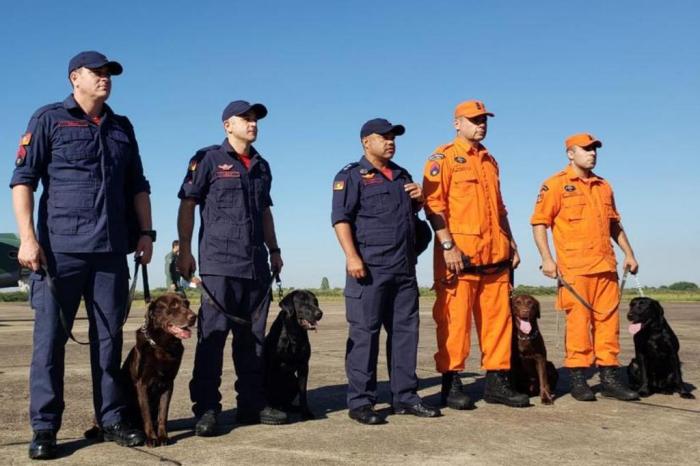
(172, 275)
(579, 207)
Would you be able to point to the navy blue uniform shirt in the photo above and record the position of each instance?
(380, 213)
(231, 202)
(89, 173)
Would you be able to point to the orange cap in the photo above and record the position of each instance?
(582, 140)
(471, 109)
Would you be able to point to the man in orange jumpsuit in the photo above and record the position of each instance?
(473, 258)
(579, 207)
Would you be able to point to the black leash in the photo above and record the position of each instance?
(132, 292)
(486, 269)
(258, 308)
(571, 290)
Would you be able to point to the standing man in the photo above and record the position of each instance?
(374, 201)
(231, 183)
(88, 161)
(172, 276)
(474, 255)
(579, 207)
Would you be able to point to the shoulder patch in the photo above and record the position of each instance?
(434, 169)
(544, 188)
(197, 158)
(436, 156)
(338, 185)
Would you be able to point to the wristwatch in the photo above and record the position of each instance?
(447, 245)
(151, 233)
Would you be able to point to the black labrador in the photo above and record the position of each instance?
(656, 367)
(287, 352)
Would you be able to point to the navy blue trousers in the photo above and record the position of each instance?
(102, 279)
(249, 299)
(381, 300)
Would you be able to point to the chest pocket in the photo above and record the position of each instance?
(119, 143)
(76, 143)
(229, 194)
(464, 183)
(572, 207)
(608, 205)
(377, 199)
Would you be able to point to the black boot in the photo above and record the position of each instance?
(613, 386)
(43, 446)
(579, 388)
(123, 434)
(206, 424)
(452, 394)
(498, 390)
(268, 415)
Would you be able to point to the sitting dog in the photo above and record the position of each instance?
(655, 367)
(287, 352)
(531, 372)
(149, 370)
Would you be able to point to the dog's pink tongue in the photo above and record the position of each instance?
(634, 328)
(524, 326)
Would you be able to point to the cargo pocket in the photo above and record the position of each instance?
(565, 300)
(353, 303)
(36, 291)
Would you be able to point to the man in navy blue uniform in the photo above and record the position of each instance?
(88, 161)
(231, 183)
(374, 201)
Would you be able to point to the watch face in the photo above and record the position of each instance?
(447, 245)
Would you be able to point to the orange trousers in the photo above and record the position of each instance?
(488, 298)
(592, 336)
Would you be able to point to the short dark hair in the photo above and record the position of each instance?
(176, 243)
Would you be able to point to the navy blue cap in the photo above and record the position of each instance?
(93, 60)
(239, 107)
(381, 126)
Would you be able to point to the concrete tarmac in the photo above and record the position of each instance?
(661, 429)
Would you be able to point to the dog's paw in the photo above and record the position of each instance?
(687, 395)
(152, 442)
(547, 398)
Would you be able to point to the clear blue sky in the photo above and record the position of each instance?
(627, 71)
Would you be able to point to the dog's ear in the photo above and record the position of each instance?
(150, 311)
(658, 310)
(287, 305)
(537, 308)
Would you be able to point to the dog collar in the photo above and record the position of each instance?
(147, 337)
(531, 336)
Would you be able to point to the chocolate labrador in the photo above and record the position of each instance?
(656, 367)
(287, 352)
(531, 372)
(150, 368)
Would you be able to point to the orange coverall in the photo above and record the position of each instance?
(579, 212)
(462, 183)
